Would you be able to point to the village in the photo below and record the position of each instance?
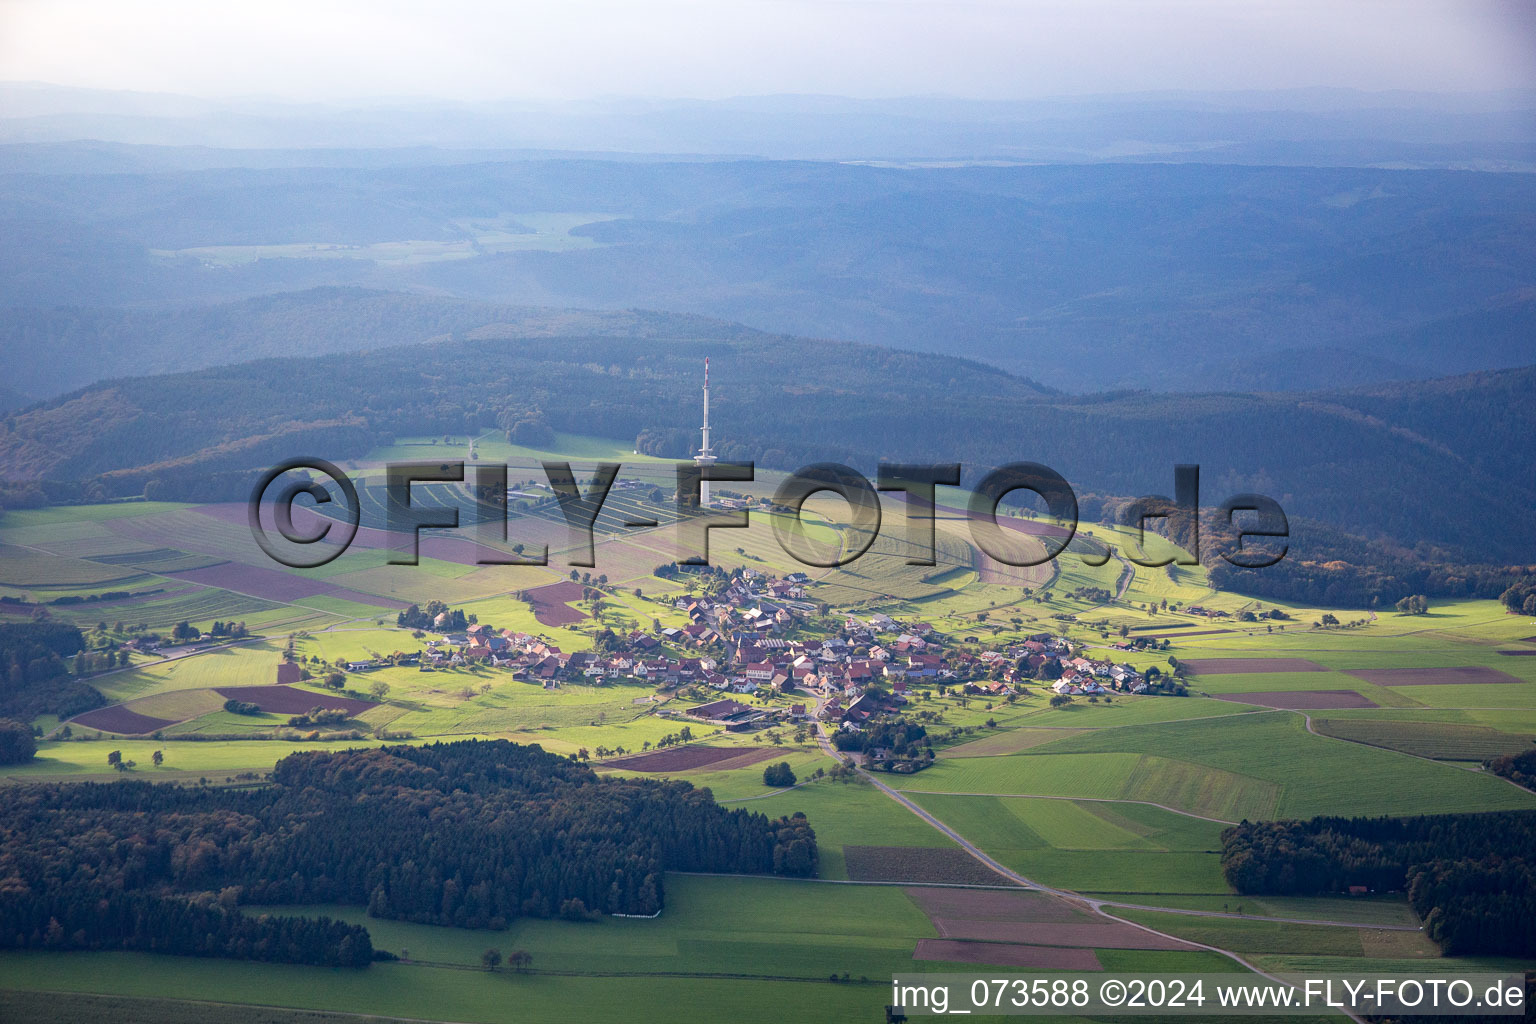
(755, 634)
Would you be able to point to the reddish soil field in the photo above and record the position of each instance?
(981, 905)
(273, 585)
(1517, 654)
(1004, 954)
(549, 603)
(1030, 918)
(120, 719)
(290, 700)
(1301, 700)
(917, 864)
(1433, 676)
(682, 759)
(1100, 933)
(1248, 666)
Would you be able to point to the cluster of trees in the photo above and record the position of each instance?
(241, 707)
(1466, 874)
(18, 744)
(416, 617)
(319, 716)
(901, 736)
(471, 834)
(779, 775)
(34, 677)
(1518, 768)
(1520, 596)
(672, 570)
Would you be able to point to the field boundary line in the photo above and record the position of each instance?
(1320, 922)
(1084, 799)
(860, 881)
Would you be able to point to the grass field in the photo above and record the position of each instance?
(1250, 936)
(1083, 845)
(1440, 740)
(1315, 774)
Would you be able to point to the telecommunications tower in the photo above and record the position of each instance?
(706, 455)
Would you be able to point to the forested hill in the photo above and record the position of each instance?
(1175, 277)
(48, 352)
(1440, 464)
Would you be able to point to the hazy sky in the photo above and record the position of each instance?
(469, 49)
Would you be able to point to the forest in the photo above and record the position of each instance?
(34, 679)
(472, 834)
(1466, 875)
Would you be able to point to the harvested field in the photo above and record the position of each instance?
(550, 603)
(1465, 674)
(1300, 700)
(1005, 954)
(273, 585)
(121, 719)
(917, 864)
(1243, 666)
(290, 700)
(1030, 918)
(682, 759)
(1022, 905)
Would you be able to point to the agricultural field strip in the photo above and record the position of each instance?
(1080, 799)
(1321, 922)
(1406, 753)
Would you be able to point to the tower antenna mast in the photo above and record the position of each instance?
(706, 455)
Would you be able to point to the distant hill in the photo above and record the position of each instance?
(1441, 465)
(52, 351)
(1086, 277)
